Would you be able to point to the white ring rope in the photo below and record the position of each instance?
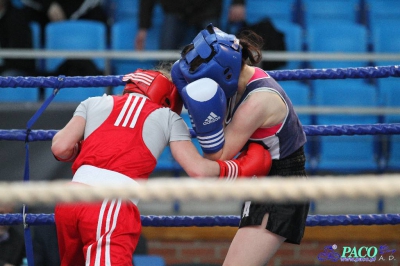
(167, 189)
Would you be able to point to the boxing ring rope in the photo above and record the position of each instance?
(210, 221)
(280, 75)
(273, 189)
(165, 189)
(310, 130)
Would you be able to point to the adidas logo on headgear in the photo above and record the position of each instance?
(211, 118)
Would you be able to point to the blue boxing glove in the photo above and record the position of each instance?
(206, 104)
(177, 77)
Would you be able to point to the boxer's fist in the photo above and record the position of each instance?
(206, 104)
(255, 161)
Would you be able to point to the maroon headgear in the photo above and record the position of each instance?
(156, 86)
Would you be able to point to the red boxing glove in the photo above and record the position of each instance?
(255, 161)
(75, 153)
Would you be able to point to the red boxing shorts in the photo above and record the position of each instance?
(104, 233)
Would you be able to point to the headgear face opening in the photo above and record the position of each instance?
(216, 55)
(157, 87)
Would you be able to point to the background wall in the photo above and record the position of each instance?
(43, 166)
(209, 245)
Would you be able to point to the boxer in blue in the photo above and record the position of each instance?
(255, 109)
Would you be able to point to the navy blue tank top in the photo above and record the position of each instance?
(285, 138)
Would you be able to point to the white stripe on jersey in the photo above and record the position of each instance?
(133, 105)
(128, 114)
(123, 110)
(138, 110)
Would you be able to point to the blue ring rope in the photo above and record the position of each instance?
(279, 75)
(211, 221)
(311, 130)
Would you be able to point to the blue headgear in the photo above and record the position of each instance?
(222, 59)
